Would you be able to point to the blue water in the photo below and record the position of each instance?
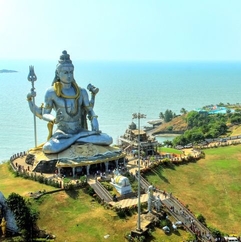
(125, 88)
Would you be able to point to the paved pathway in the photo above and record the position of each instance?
(128, 202)
(132, 165)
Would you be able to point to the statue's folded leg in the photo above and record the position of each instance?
(55, 145)
(59, 141)
(97, 139)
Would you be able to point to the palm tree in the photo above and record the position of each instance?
(183, 111)
(161, 115)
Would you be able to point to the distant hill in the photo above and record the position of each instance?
(7, 71)
(178, 124)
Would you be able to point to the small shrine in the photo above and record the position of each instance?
(121, 183)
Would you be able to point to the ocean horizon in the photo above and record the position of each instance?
(125, 88)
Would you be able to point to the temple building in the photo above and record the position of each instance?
(130, 141)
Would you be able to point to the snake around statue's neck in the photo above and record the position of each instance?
(58, 89)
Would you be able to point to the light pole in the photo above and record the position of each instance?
(139, 116)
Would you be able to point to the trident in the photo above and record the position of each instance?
(32, 78)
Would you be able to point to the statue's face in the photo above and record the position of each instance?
(66, 73)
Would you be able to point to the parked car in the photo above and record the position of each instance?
(231, 239)
(179, 147)
(188, 146)
(223, 140)
(204, 143)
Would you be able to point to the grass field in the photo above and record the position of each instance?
(211, 186)
(9, 183)
(83, 219)
(76, 216)
(169, 150)
(236, 131)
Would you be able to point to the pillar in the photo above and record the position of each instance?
(59, 171)
(88, 170)
(106, 166)
(73, 171)
(116, 164)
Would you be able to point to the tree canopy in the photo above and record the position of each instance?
(167, 116)
(203, 126)
(25, 216)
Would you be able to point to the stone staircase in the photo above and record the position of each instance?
(181, 213)
(144, 183)
(100, 191)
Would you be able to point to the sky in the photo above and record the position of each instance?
(121, 30)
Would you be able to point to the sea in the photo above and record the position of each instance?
(124, 88)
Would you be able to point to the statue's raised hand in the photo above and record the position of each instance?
(31, 94)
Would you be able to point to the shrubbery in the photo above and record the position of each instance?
(39, 178)
(107, 186)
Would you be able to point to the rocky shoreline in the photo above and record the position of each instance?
(7, 71)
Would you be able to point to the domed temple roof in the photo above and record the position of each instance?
(132, 126)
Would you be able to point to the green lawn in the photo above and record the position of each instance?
(211, 186)
(9, 183)
(76, 216)
(169, 150)
(83, 219)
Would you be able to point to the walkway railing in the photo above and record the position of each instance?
(201, 226)
(144, 183)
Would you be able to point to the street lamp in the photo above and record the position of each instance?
(139, 116)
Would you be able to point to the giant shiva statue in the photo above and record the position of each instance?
(72, 106)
